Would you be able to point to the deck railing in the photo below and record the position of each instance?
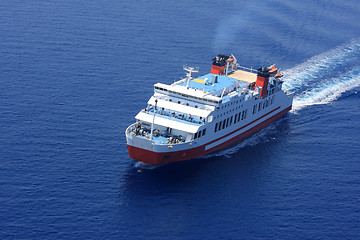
(163, 138)
(247, 69)
(176, 115)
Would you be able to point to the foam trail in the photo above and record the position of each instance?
(320, 65)
(141, 165)
(328, 91)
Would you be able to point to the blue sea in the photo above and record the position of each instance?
(73, 74)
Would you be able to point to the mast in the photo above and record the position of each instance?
(188, 74)
(152, 125)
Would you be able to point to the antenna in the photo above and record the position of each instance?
(235, 60)
(188, 74)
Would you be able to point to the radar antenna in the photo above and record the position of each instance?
(190, 70)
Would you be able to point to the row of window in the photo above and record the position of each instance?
(185, 95)
(231, 103)
(200, 133)
(227, 122)
(227, 112)
(269, 101)
(179, 102)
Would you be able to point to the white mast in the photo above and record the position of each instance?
(152, 125)
(188, 74)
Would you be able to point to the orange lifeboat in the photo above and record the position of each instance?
(273, 69)
(279, 75)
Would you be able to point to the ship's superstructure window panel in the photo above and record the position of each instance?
(200, 133)
(164, 90)
(272, 99)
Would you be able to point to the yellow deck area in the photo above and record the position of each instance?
(243, 76)
(199, 80)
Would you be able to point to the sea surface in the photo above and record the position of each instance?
(73, 74)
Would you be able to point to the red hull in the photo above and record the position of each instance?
(157, 158)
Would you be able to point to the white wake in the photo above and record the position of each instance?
(328, 91)
(325, 77)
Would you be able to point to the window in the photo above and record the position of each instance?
(219, 126)
(224, 122)
(199, 134)
(187, 104)
(227, 122)
(195, 136)
(259, 107)
(204, 132)
(231, 120)
(243, 115)
(216, 126)
(178, 102)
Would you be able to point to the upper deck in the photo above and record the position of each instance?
(209, 87)
(213, 83)
(244, 76)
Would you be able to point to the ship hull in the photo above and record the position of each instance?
(165, 157)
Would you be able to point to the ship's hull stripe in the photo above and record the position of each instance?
(228, 136)
(156, 158)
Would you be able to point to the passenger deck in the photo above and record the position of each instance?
(243, 76)
(205, 82)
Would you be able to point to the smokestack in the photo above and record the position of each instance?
(262, 80)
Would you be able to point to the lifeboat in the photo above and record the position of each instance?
(273, 69)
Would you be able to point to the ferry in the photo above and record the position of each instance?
(193, 117)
